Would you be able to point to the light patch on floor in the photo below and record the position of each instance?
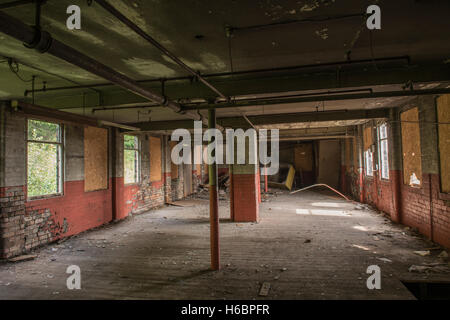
(165, 254)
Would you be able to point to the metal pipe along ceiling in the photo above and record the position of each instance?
(155, 43)
(320, 98)
(43, 42)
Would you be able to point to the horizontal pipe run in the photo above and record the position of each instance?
(307, 138)
(236, 73)
(105, 5)
(374, 95)
(44, 113)
(22, 32)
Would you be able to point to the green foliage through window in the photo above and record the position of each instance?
(131, 159)
(44, 159)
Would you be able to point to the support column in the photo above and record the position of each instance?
(246, 190)
(395, 164)
(213, 201)
(117, 175)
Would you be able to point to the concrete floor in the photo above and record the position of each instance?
(307, 246)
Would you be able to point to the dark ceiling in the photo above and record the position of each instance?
(265, 34)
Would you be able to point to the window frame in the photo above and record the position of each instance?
(61, 162)
(380, 157)
(371, 174)
(137, 161)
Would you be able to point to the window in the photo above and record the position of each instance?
(383, 157)
(368, 159)
(368, 154)
(131, 159)
(44, 158)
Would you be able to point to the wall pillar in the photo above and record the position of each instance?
(117, 175)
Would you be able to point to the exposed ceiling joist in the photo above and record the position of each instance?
(268, 119)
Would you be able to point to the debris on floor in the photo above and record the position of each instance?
(265, 288)
(27, 257)
(434, 267)
(443, 255)
(423, 253)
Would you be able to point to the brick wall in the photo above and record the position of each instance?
(27, 224)
(425, 207)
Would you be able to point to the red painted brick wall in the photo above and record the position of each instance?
(245, 198)
(423, 208)
(82, 210)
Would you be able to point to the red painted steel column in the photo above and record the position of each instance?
(213, 202)
(266, 180)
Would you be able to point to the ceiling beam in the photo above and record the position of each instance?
(258, 84)
(271, 119)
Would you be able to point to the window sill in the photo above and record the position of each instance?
(444, 196)
(131, 184)
(46, 197)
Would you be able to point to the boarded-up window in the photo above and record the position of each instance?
(443, 112)
(173, 166)
(368, 139)
(155, 159)
(95, 159)
(412, 156)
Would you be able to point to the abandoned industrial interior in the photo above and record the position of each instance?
(93, 92)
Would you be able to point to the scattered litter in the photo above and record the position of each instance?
(50, 276)
(265, 288)
(418, 269)
(56, 292)
(434, 248)
(54, 249)
(283, 269)
(422, 253)
(376, 238)
(23, 258)
(384, 259)
(443, 255)
(276, 277)
(434, 267)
